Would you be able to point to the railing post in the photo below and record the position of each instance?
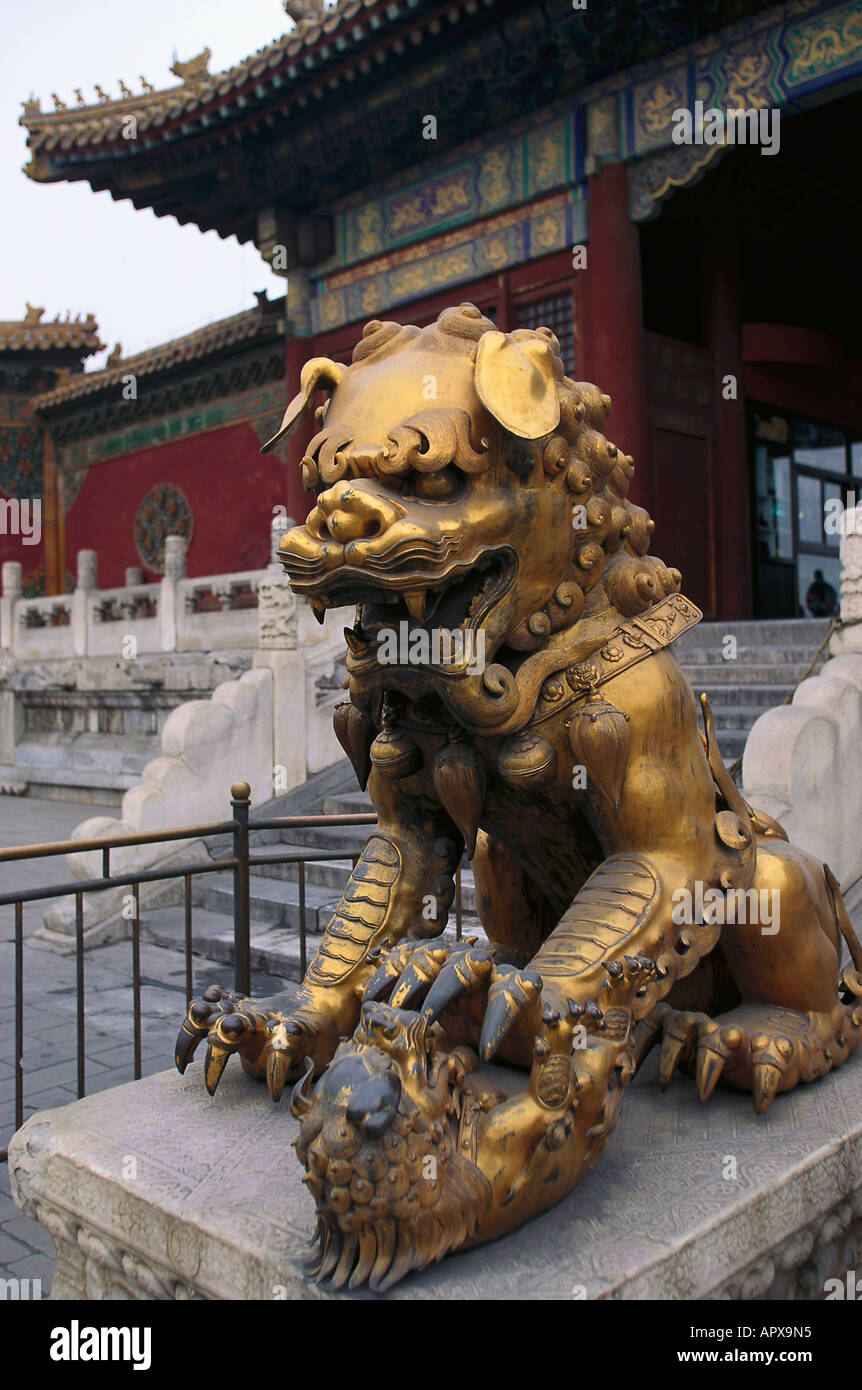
(170, 614)
(240, 803)
(87, 584)
(11, 592)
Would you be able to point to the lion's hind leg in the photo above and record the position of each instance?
(796, 1021)
(761, 1048)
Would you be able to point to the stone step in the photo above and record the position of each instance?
(731, 744)
(346, 839)
(347, 803)
(796, 632)
(332, 874)
(87, 752)
(759, 697)
(66, 784)
(84, 767)
(741, 717)
(327, 873)
(274, 902)
(274, 950)
(744, 673)
(771, 659)
(799, 658)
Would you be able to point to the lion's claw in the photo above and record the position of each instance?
(513, 994)
(390, 969)
(466, 969)
(231, 1023)
(760, 1048)
(203, 1014)
(438, 972)
(715, 1045)
(286, 1047)
(420, 973)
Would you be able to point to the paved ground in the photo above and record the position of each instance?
(27, 820)
(26, 1250)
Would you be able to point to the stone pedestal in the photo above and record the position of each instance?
(155, 1190)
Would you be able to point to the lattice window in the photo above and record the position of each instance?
(555, 313)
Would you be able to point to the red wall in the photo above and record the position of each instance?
(31, 557)
(230, 487)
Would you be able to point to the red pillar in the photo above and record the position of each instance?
(732, 505)
(53, 520)
(612, 308)
(298, 501)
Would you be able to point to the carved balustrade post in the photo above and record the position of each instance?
(87, 583)
(169, 604)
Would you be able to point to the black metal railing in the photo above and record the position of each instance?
(241, 862)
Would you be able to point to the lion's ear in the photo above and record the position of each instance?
(318, 372)
(515, 381)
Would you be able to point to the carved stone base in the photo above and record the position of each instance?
(155, 1191)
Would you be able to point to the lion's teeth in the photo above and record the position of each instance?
(417, 605)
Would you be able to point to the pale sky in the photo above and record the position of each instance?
(65, 247)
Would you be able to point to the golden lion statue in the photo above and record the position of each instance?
(531, 711)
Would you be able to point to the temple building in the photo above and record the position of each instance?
(168, 442)
(394, 156)
(35, 356)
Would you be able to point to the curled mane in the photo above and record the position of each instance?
(612, 546)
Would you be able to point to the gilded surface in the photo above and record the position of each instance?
(449, 1091)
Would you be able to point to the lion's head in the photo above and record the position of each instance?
(464, 487)
(380, 1141)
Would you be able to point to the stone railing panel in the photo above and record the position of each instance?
(218, 611)
(206, 744)
(215, 612)
(123, 622)
(42, 627)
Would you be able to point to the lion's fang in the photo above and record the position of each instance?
(417, 605)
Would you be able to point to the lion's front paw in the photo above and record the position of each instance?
(436, 978)
(523, 1004)
(231, 1023)
(269, 1043)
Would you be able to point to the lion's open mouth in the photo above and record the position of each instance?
(461, 598)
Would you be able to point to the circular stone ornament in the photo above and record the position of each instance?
(165, 511)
